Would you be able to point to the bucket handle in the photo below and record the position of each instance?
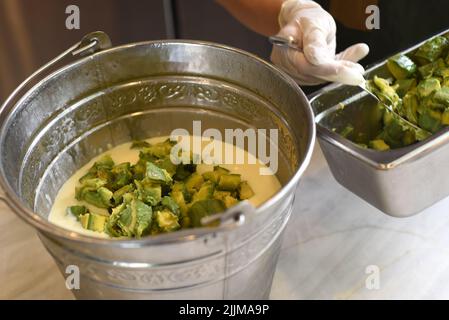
(89, 44)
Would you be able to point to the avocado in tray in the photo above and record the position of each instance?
(418, 91)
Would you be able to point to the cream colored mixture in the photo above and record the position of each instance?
(264, 186)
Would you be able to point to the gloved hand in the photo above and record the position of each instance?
(314, 31)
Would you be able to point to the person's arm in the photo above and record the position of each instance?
(314, 32)
(260, 16)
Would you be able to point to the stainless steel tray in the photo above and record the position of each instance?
(400, 182)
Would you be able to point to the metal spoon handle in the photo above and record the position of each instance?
(284, 42)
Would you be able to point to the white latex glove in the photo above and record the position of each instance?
(314, 31)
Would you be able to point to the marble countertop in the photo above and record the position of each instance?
(334, 245)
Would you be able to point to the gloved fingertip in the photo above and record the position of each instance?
(362, 49)
(354, 53)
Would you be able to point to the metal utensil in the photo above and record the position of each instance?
(291, 43)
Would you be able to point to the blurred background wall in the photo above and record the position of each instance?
(33, 31)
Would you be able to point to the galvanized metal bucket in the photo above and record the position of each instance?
(138, 91)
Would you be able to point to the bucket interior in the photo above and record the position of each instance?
(142, 91)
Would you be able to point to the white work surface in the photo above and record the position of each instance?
(331, 240)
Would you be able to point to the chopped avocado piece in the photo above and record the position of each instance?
(386, 90)
(379, 145)
(204, 208)
(101, 170)
(442, 96)
(171, 204)
(404, 86)
(178, 197)
(442, 72)
(121, 175)
(159, 150)
(167, 165)
(139, 144)
(181, 196)
(139, 169)
(410, 106)
(393, 133)
(118, 195)
(167, 221)
(181, 187)
(155, 173)
(215, 175)
(194, 182)
(210, 176)
(432, 50)
(88, 185)
(230, 201)
(430, 120)
(148, 192)
(431, 69)
(221, 195)
(445, 118)
(105, 161)
(428, 86)
(94, 222)
(229, 182)
(144, 215)
(183, 171)
(409, 137)
(401, 66)
(77, 211)
(206, 192)
(105, 195)
(127, 221)
(112, 228)
(245, 191)
(100, 198)
(130, 219)
(219, 171)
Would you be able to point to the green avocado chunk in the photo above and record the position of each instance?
(432, 50)
(401, 67)
(229, 182)
(204, 208)
(153, 195)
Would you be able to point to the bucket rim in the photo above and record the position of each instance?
(48, 228)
